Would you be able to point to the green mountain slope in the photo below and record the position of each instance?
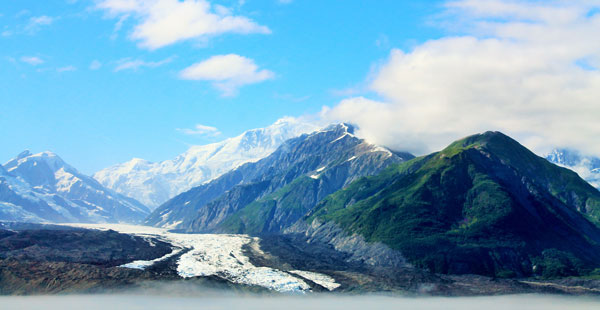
(483, 205)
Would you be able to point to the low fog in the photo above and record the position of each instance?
(103, 302)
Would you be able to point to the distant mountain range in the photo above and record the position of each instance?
(588, 167)
(43, 188)
(154, 183)
(274, 192)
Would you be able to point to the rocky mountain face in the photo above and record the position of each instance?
(154, 183)
(43, 188)
(273, 193)
(484, 205)
(588, 167)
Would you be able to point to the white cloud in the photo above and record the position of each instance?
(201, 130)
(36, 22)
(515, 67)
(135, 64)
(227, 72)
(95, 65)
(32, 60)
(165, 22)
(66, 69)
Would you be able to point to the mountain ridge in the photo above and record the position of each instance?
(588, 167)
(309, 156)
(154, 183)
(484, 205)
(42, 187)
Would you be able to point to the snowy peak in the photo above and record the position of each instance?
(38, 169)
(154, 183)
(308, 167)
(588, 167)
(42, 187)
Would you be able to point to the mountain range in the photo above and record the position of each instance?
(481, 215)
(43, 188)
(154, 183)
(274, 192)
(588, 167)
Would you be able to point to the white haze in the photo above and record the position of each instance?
(527, 68)
(227, 302)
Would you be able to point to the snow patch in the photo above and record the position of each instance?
(340, 137)
(321, 279)
(143, 264)
(172, 225)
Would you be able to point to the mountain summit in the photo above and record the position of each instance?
(42, 187)
(274, 192)
(154, 183)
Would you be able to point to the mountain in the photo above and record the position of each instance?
(587, 167)
(43, 188)
(154, 183)
(274, 192)
(484, 205)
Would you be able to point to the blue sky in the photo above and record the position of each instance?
(100, 82)
(62, 90)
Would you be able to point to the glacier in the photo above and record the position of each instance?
(219, 255)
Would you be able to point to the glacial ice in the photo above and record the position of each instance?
(218, 255)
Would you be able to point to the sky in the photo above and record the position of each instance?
(100, 82)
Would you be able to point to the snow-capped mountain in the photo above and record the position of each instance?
(587, 167)
(43, 188)
(268, 195)
(154, 183)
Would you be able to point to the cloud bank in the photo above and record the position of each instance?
(227, 72)
(529, 69)
(165, 22)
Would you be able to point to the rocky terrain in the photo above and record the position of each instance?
(103, 261)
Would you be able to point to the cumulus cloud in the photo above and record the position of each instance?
(135, 64)
(529, 69)
(227, 72)
(165, 22)
(201, 130)
(32, 60)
